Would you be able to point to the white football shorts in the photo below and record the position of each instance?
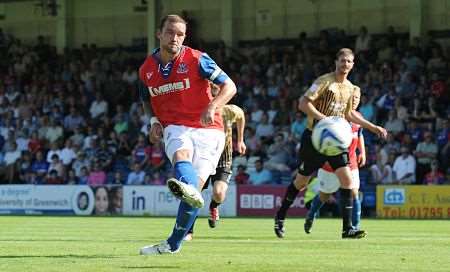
(329, 182)
(206, 146)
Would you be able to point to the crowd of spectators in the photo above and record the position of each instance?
(75, 118)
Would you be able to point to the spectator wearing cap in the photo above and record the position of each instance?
(405, 167)
(426, 152)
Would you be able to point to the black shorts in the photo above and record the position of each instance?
(311, 160)
(222, 174)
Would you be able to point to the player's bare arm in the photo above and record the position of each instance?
(352, 117)
(226, 92)
(240, 126)
(306, 106)
(362, 151)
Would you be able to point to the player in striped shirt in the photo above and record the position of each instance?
(230, 114)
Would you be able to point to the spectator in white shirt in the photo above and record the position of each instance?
(67, 154)
(405, 167)
(98, 107)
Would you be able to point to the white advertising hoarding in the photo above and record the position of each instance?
(158, 201)
(46, 199)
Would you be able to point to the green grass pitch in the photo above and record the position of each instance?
(237, 244)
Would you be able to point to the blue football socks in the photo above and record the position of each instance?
(356, 216)
(184, 172)
(185, 218)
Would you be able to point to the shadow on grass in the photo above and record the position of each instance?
(151, 267)
(58, 256)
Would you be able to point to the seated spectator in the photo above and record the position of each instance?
(54, 131)
(298, 126)
(104, 155)
(53, 178)
(405, 167)
(367, 108)
(11, 157)
(156, 157)
(73, 120)
(98, 107)
(434, 177)
(278, 155)
(252, 141)
(96, 176)
(80, 162)
(426, 152)
(394, 125)
(381, 173)
(443, 133)
(260, 175)
(136, 177)
(139, 153)
(414, 131)
(72, 179)
(392, 145)
(67, 153)
(40, 167)
(56, 164)
(83, 176)
(241, 177)
(24, 166)
(156, 179)
(264, 129)
(118, 178)
(35, 144)
(54, 149)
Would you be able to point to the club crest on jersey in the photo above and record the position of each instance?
(182, 68)
(149, 75)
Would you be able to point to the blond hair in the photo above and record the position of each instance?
(344, 52)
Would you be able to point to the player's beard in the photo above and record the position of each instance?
(173, 50)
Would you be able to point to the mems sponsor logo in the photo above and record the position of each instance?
(170, 87)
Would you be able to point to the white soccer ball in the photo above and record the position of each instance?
(332, 136)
